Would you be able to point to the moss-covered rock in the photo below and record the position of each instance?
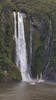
(14, 74)
(39, 10)
(8, 70)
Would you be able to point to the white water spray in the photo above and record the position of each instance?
(21, 54)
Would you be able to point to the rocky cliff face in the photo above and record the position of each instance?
(40, 12)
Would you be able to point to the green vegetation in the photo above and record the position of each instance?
(7, 44)
(8, 70)
(39, 10)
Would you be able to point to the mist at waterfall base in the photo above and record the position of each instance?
(21, 52)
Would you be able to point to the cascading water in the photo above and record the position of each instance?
(31, 31)
(48, 48)
(15, 38)
(21, 54)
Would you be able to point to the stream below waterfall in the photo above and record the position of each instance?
(26, 91)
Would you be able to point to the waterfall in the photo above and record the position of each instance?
(15, 38)
(48, 48)
(21, 53)
(31, 31)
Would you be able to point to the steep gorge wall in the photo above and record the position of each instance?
(39, 10)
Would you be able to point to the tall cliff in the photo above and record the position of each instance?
(40, 12)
